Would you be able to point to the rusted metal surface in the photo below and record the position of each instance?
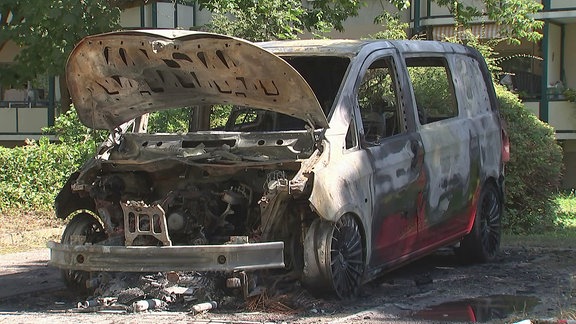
(144, 220)
(228, 257)
(116, 77)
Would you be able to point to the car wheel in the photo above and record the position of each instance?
(483, 241)
(334, 257)
(82, 229)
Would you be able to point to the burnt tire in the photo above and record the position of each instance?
(483, 241)
(83, 228)
(334, 258)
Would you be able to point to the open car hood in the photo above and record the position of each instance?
(118, 76)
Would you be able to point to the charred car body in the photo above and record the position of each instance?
(340, 159)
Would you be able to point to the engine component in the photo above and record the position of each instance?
(141, 220)
(176, 222)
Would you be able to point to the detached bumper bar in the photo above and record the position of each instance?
(228, 257)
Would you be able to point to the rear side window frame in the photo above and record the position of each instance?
(426, 115)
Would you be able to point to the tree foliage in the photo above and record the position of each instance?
(393, 27)
(46, 32)
(258, 20)
(33, 174)
(283, 19)
(515, 17)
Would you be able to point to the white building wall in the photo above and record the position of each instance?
(9, 52)
(570, 55)
(165, 17)
(533, 107)
(185, 16)
(148, 15)
(562, 116)
(559, 4)
(554, 54)
(130, 18)
(203, 17)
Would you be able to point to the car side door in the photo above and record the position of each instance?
(445, 132)
(395, 153)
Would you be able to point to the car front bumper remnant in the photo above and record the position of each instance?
(226, 257)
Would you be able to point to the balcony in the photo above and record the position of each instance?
(23, 114)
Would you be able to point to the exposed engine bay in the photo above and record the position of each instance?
(155, 190)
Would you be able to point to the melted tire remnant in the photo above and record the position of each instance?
(334, 258)
(483, 241)
(83, 226)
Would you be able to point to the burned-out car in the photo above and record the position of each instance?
(337, 160)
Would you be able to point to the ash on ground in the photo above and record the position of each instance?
(192, 292)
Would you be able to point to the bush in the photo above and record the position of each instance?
(74, 135)
(534, 171)
(169, 121)
(33, 174)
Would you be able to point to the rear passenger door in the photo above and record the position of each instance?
(445, 133)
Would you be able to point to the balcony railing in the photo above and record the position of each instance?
(23, 117)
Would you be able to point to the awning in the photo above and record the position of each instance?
(482, 31)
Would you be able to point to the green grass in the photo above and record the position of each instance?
(561, 235)
(566, 215)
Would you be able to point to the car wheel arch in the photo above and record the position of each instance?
(482, 241)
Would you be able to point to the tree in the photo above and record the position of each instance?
(515, 17)
(282, 19)
(277, 19)
(257, 20)
(46, 32)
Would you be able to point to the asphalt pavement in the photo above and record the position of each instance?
(27, 272)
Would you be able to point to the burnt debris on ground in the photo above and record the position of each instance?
(192, 292)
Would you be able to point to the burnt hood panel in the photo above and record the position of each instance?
(118, 76)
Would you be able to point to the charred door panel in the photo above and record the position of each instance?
(398, 184)
(449, 147)
(396, 158)
(449, 109)
(450, 151)
(342, 185)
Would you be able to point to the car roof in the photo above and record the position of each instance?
(350, 47)
(339, 47)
